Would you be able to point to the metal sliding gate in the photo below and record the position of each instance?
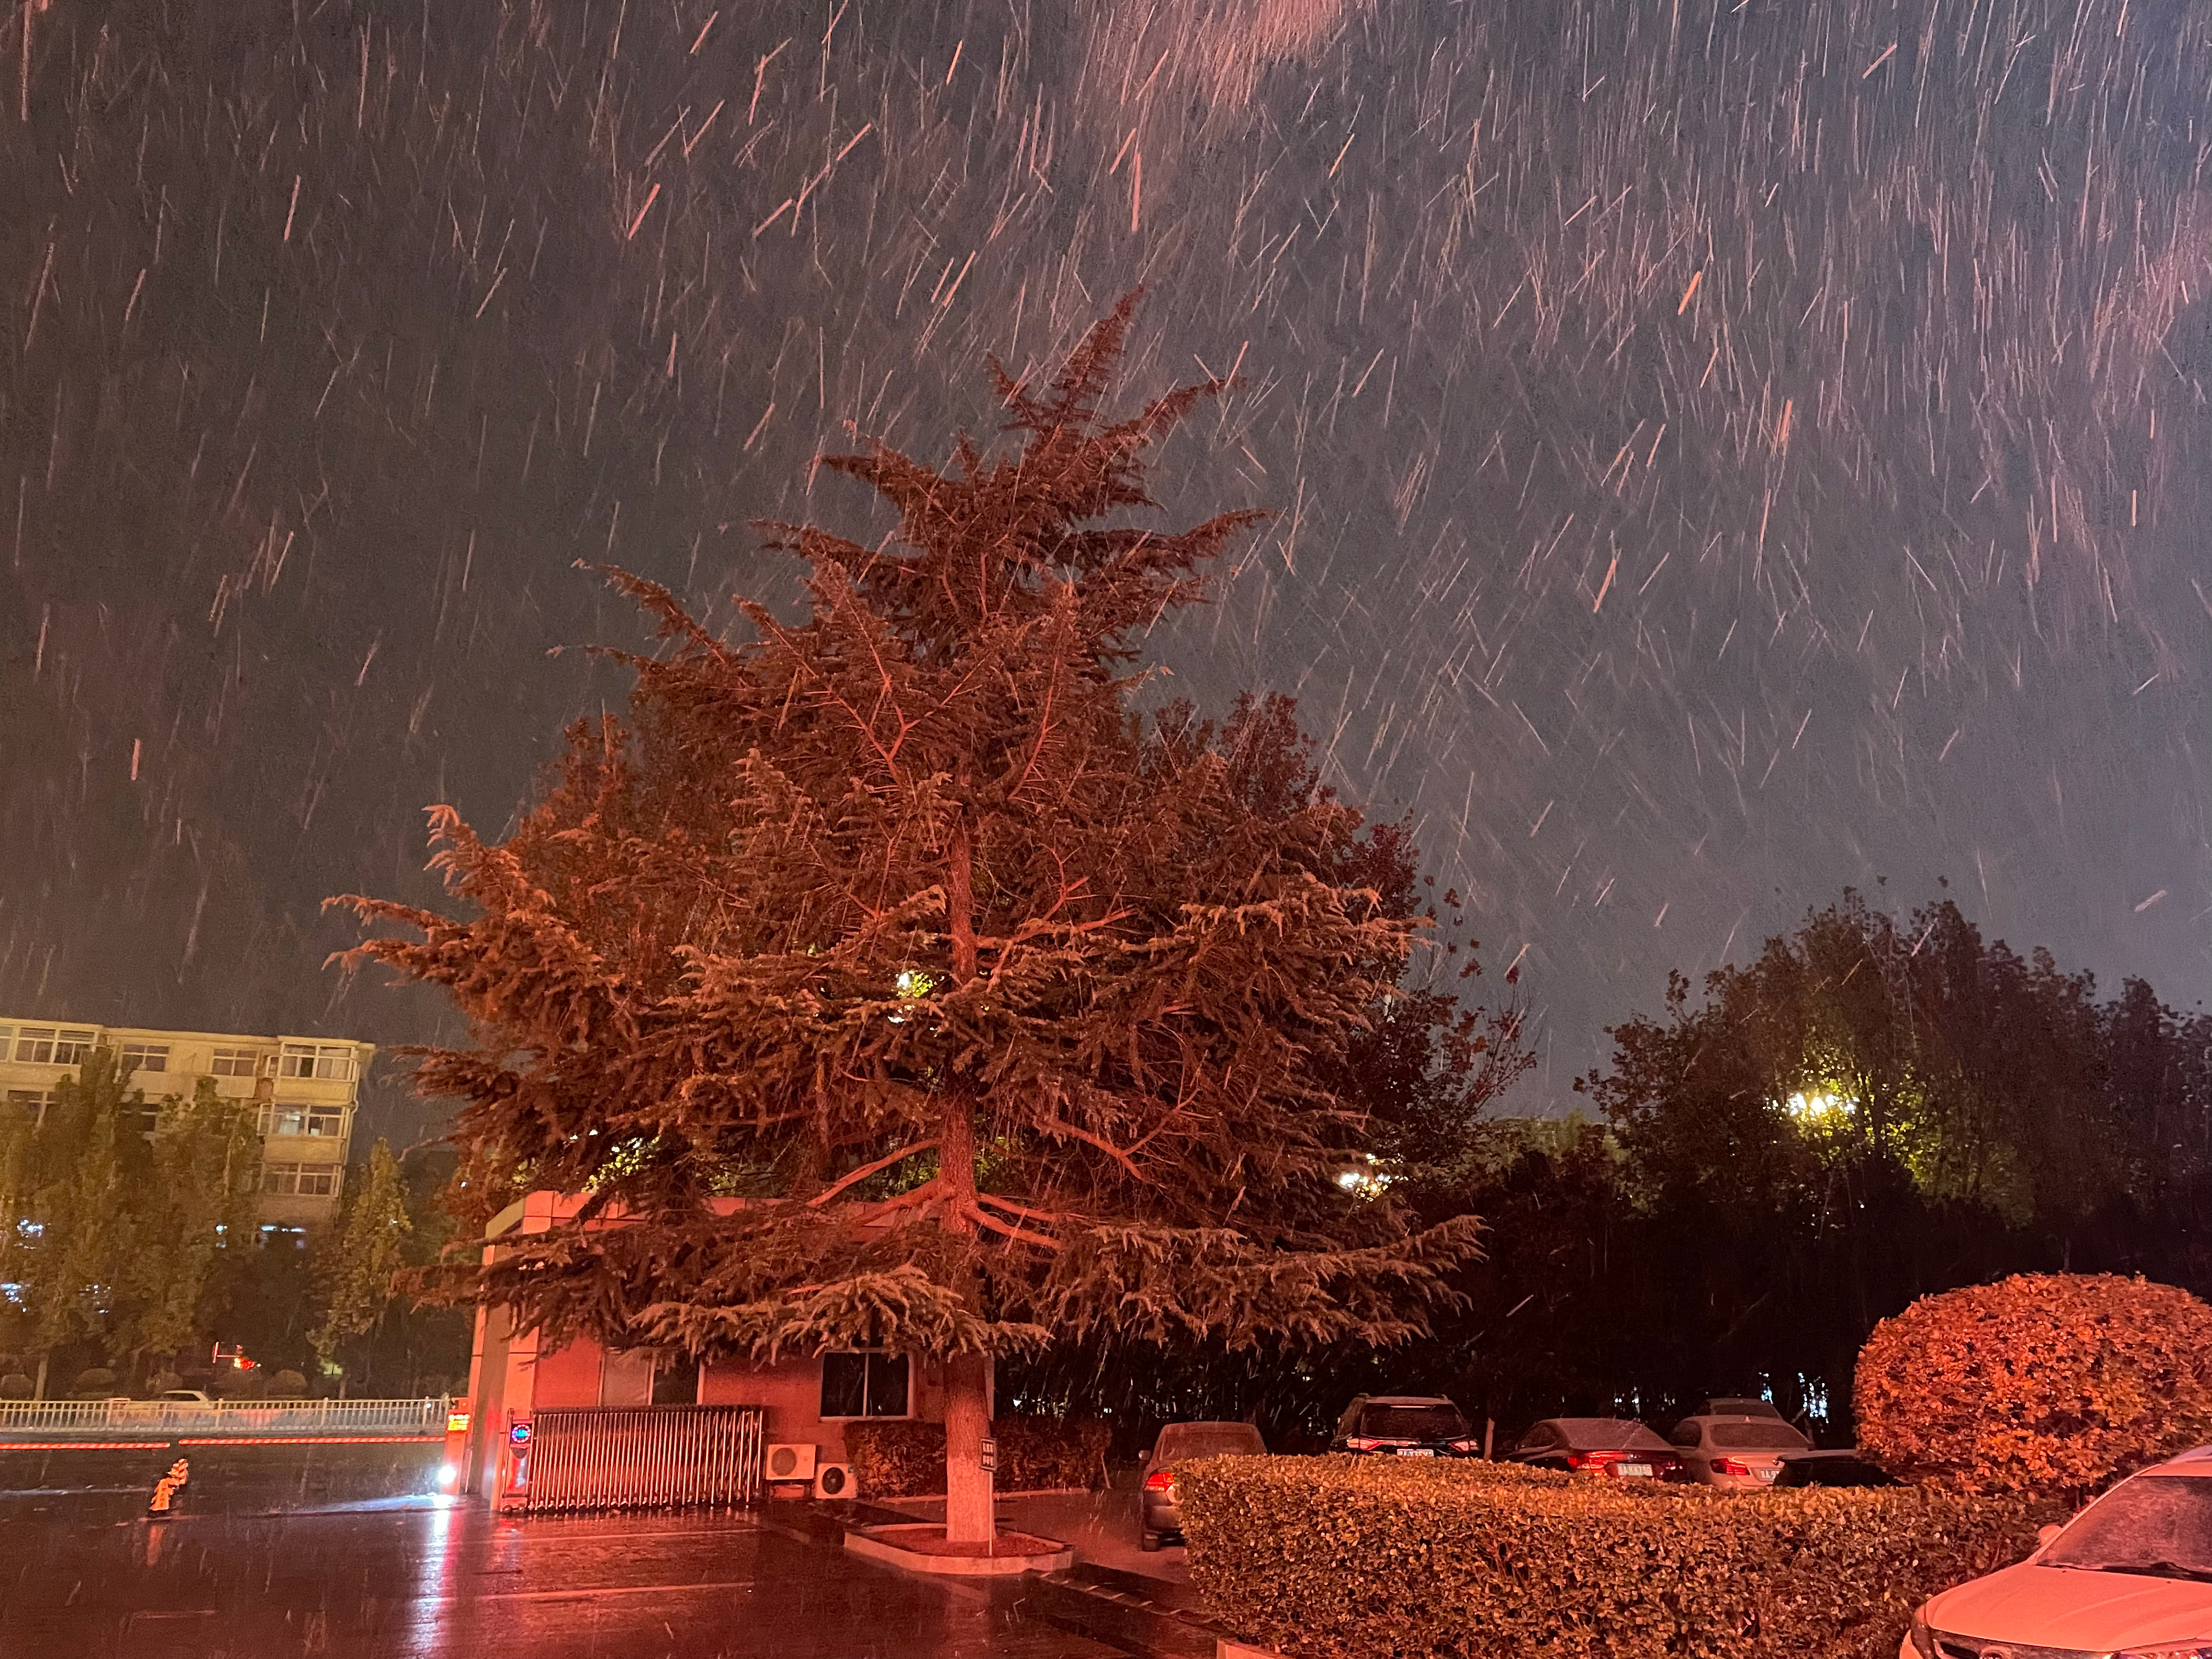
(642, 1457)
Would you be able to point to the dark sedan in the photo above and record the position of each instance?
(1615, 1448)
(1832, 1468)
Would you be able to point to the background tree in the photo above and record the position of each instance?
(1009, 1017)
(357, 1267)
(198, 1202)
(85, 1164)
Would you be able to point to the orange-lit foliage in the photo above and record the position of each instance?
(2050, 1384)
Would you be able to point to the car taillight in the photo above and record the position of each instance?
(1160, 1480)
(1360, 1442)
(1600, 1462)
(1730, 1466)
(1467, 1445)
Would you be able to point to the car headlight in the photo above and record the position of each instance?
(1923, 1642)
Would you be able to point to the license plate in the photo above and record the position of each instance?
(1415, 1451)
(1769, 1475)
(1643, 1469)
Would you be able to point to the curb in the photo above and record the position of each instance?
(959, 1566)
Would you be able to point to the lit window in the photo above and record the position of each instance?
(330, 1062)
(864, 1385)
(295, 1118)
(236, 1062)
(71, 1047)
(145, 1056)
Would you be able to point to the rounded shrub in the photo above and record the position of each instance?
(287, 1385)
(14, 1386)
(2050, 1384)
(97, 1383)
(161, 1381)
(243, 1385)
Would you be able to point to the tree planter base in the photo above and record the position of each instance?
(921, 1548)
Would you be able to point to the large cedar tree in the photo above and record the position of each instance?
(1007, 1014)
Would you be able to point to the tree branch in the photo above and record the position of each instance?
(1021, 1235)
(865, 1170)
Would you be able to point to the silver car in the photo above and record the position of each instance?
(1183, 1442)
(1743, 1450)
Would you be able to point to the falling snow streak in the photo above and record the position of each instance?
(1763, 447)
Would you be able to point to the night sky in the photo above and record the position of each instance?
(1722, 452)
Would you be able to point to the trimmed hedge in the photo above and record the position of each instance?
(907, 1460)
(2040, 1382)
(1342, 1557)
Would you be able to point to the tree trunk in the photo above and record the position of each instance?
(39, 1392)
(968, 1506)
(968, 1509)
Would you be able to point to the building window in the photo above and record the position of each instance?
(292, 1118)
(29, 1105)
(675, 1380)
(330, 1062)
(236, 1062)
(306, 1180)
(864, 1385)
(145, 1056)
(46, 1045)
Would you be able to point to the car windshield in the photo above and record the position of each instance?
(2159, 1525)
(1190, 1440)
(1441, 1421)
(1757, 1436)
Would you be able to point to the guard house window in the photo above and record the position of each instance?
(145, 1056)
(675, 1380)
(236, 1062)
(330, 1062)
(864, 1385)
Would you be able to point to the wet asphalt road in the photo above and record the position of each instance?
(344, 1551)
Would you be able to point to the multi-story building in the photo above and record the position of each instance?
(306, 1089)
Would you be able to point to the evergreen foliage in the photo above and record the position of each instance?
(357, 1267)
(1006, 1014)
(115, 1210)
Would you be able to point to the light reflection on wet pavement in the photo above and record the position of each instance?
(348, 1551)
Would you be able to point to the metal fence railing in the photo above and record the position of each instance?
(64, 1419)
(642, 1457)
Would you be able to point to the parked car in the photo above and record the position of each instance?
(1832, 1468)
(2129, 1575)
(1618, 1448)
(1738, 1450)
(185, 1399)
(1404, 1425)
(1159, 1519)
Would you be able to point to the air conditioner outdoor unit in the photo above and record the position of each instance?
(787, 1462)
(833, 1479)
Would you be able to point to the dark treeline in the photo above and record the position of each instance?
(1870, 1110)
